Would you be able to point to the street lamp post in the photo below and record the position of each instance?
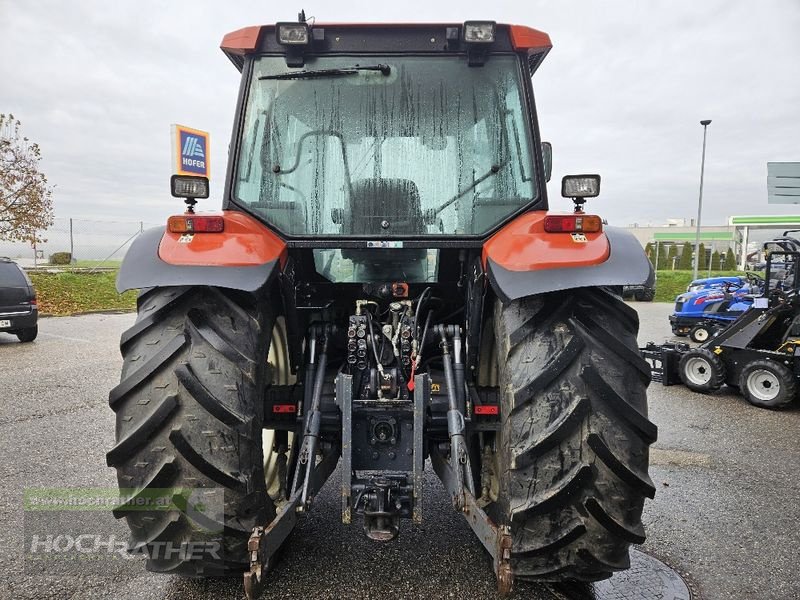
(705, 123)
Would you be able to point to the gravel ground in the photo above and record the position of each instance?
(725, 514)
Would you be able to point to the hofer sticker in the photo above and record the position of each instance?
(190, 151)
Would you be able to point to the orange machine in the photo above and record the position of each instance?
(385, 285)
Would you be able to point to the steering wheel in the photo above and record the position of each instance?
(754, 279)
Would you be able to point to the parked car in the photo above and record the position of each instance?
(18, 310)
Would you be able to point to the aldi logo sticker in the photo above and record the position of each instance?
(190, 154)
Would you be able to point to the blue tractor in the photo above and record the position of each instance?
(710, 305)
(714, 282)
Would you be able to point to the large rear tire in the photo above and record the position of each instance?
(189, 410)
(573, 448)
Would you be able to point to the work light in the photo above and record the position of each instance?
(186, 186)
(292, 34)
(479, 32)
(580, 186)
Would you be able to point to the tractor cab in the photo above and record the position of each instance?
(422, 132)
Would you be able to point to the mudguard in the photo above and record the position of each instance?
(244, 256)
(522, 259)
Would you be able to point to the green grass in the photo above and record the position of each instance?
(67, 293)
(671, 283)
(115, 263)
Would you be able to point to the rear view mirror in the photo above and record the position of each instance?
(547, 158)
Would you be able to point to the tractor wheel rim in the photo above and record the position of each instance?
(763, 384)
(701, 335)
(698, 370)
(278, 361)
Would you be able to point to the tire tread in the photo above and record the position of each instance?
(573, 447)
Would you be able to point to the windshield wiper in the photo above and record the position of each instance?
(384, 69)
(493, 171)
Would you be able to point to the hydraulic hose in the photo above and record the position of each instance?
(314, 419)
(459, 455)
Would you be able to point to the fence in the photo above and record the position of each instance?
(91, 243)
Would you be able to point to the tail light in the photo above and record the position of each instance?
(195, 224)
(34, 302)
(573, 223)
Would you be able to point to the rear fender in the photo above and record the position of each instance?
(522, 259)
(244, 256)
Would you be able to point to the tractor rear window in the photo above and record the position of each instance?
(427, 146)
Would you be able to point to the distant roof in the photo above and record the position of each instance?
(769, 220)
(689, 236)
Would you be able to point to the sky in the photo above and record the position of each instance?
(97, 85)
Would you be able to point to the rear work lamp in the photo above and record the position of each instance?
(190, 188)
(292, 34)
(297, 38)
(580, 186)
(479, 32)
(185, 186)
(478, 37)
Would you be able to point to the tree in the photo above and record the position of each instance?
(26, 204)
(702, 262)
(673, 253)
(650, 252)
(730, 260)
(662, 257)
(715, 261)
(685, 263)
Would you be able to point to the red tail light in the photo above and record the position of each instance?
(284, 408)
(195, 224)
(487, 409)
(573, 224)
(34, 302)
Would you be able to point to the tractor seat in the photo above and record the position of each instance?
(388, 206)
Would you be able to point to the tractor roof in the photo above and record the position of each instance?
(385, 38)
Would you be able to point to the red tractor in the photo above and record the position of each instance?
(384, 286)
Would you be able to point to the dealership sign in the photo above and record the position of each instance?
(783, 182)
(190, 151)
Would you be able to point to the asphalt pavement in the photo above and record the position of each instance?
(725, 514)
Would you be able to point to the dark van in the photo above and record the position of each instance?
(18, 309)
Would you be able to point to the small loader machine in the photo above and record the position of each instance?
(759, 352)
(385, 288)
